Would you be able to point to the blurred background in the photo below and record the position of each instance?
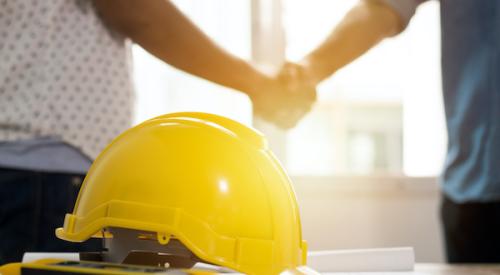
(365, 161)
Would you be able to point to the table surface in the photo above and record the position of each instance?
(443, 269)
(437, 269)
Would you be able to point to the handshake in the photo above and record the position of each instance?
(285, 97)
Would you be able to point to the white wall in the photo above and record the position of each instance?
(344, 213)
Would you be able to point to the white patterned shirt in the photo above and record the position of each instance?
(63, 75)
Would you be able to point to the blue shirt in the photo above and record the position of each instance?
(471, 90)
(470, 31)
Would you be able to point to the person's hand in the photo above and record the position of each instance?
(286, 97)
(301, 91)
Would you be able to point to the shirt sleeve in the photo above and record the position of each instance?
(405, 8)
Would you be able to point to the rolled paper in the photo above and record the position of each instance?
(363, 260)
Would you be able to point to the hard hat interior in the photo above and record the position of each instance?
(135, 247)
(142, 247)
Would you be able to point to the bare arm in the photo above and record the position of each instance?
(362, 28)
(160, 28)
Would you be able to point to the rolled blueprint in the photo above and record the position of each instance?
(362, 260)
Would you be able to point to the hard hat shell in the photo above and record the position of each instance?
(206, 180)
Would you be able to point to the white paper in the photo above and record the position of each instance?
(34, 256)
(362, 260)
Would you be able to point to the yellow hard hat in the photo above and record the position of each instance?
(206, 180)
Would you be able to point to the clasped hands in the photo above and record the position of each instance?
(286, 98)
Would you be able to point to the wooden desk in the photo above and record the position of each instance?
(435, 269)
(444, 269)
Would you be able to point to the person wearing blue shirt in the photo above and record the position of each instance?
(471, 89)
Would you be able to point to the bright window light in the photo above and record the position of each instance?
(163, 89)
(383, 113)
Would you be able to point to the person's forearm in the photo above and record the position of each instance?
(160, 28)
(363, 27)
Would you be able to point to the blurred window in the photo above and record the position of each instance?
(383, 113)
(162, 89)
